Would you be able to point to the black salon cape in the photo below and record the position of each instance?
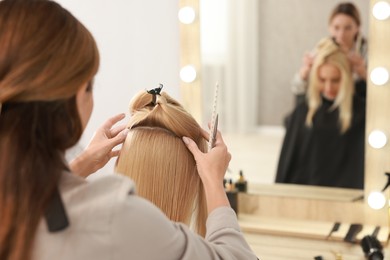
(321, 155)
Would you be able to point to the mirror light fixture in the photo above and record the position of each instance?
(381, 10)
(377, 139)
(379, 76)
(376, 200)
(188, 74)
(186, 15)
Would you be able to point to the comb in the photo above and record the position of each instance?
(214, 119)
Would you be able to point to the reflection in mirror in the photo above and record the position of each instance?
(244, 142)
(253, 49)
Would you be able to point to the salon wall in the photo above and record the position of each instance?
(139, 48)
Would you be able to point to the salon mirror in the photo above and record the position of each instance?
(252, 49)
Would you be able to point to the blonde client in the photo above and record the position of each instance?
(324, 141)
(155, 157)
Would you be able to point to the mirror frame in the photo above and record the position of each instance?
(377, 161)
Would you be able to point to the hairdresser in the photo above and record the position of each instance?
(47, 64)
(344, 28)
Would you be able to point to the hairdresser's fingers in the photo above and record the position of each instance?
(311, 61)
(119, 138)
(191, 145)
(307, 58)
(113, 120)
(114, 153)
(116, 130)
(205, 134)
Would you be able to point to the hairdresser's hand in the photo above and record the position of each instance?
(101, 147)
(212, 167)
(358, 65)
(307, 61)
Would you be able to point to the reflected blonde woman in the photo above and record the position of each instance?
(331, 79)
(324, 140)
(155, 157)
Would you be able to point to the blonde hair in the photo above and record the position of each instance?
(162, 167)
(330, 53)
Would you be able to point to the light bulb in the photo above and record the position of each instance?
(379, 76)
(377, 139)
(188, 74)
(381, 10)
(187, 15)
(376, 200)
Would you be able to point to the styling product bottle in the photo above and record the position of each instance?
(241, 183)
(232, 195)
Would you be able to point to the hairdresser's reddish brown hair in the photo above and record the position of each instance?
(346, 8)
(46, 56)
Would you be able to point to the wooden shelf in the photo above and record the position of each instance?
(280, 239)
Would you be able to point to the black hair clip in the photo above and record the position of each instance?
(55, 213)
(154, 92)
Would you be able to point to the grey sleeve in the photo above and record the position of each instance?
(298, 85)
(141, 231)
(223, 230)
